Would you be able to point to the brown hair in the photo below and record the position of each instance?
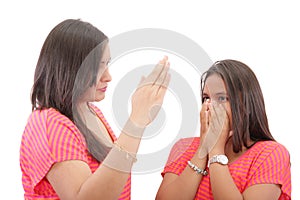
(63, 55)
(249, 119)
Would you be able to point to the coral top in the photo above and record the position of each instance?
(50, 137)
(264, 162)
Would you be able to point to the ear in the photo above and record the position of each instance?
(230, 133)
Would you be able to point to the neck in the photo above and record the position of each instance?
(84, 109)
(232, 156)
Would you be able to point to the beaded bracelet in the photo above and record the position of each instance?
(128, 154)
(197, 169)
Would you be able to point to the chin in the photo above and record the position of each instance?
(97, 99)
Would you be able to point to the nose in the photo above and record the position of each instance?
(106, 77)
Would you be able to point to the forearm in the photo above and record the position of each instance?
(110, 178)
(185, 186)
(222, 184)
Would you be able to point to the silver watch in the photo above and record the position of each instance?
(222, 159)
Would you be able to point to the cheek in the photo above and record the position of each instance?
(228, 110)
(90, 93)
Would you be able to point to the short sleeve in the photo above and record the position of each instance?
(181, 152)
(274, 168)
(49, 137)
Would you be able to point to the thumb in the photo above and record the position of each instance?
(142, 79)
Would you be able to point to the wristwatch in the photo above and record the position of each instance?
(222, 159)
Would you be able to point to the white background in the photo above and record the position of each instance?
(262, 34)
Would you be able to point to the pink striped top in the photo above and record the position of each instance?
(265, 162)
(50, 137)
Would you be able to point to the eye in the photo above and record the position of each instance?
(106, 63)
(222, 99)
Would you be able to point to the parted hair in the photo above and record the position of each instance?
(68, 65)
(249, 119)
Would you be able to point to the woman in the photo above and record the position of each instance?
(235, 157)
(68, 150)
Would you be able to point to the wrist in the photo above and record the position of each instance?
(199, 161)
(138, 120)
(133, 129)
(221, 159)
(214, 152)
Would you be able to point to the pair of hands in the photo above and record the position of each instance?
(148, 97)
(215, 129)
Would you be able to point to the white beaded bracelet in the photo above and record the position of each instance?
(197, 169)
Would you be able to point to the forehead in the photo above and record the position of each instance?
(214, 84)
(106, 52)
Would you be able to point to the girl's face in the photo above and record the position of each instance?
(215, 91)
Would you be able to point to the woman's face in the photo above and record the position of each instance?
(103, 75)
(215, 91)
(97, 91)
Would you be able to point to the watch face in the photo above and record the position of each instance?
(223, 159)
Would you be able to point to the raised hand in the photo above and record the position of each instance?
(148, 97)
(215, 129)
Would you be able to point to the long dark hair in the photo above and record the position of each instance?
(71, 52)
(249, 119)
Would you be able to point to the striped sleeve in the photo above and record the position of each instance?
(51, 137)
(273, 167)
(65, 140)
(181, 152)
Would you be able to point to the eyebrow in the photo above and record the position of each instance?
(105, 60)
(221, 93)
(218, 93)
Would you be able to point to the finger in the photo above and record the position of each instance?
(163, 88)
(162, 76)
(204, 108)
(158, 71)
(161, 81)
(203, 112)
(206, 119)
(204, 105)
(158, 68)
(223, 113)
(155, 73)
(217, 113)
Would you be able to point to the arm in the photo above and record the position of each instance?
(73, 179)
(222, 183)
(185, 186)
(223, 186)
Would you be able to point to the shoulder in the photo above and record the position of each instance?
(185, 146)
(269, 147)
(54, 115)
(59, 123)
(270, 163)
(50, 123)
(270, 152)
(47, 121)
(181, 152)
(47, 114)
(184, 143)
